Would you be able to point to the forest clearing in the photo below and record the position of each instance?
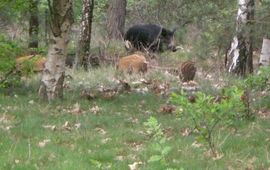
(123, 84)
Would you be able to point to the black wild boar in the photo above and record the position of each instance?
(150, 37)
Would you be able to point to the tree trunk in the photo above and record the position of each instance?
(83, 51)
(61, 19)
(33, 24)
(265, 53)
(240, 53)
(116, 18)
(47, 27)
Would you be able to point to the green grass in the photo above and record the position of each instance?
(114, 137)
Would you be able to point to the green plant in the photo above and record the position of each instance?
(258, 81)
(8, 52)
(208, 114)
(253, 85)
(159, 144)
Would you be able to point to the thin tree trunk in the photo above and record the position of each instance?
(83, 52)
(33, 24)
(240, 53)
(116, 18)
(61, 18)
(47, 34)
(265, 53)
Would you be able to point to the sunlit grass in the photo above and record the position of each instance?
(114, 137)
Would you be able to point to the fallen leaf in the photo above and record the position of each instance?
(43, 143)
(185, 131)
(8, 127)
(215, 156)
(100, 131)
(76, 109)
(109, 95)
(66, 126)
(134, 166)
(218, 156)
(106, 140)
(136, 146)
(77, 125)
(119, 158)
(167, 108)
(196, 144)
(52, 157)
(95, 109)
(51, 127)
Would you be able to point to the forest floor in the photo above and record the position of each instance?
(109, 132)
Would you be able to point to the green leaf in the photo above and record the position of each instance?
(155, 158)
(166, 150)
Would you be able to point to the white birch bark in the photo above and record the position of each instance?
(240, 53)
(265, 53)
(54, 72)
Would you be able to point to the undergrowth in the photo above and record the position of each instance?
(76, 133)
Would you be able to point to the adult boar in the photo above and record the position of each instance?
(150, 37)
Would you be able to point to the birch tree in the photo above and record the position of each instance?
(116, 18)
(265, 53)
(240, 53)
(83, 52)
(61, 19)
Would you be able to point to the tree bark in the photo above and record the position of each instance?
(33, 24)
(83, 52)
(116, 18)
(47, 32)
(265, 53)
(240, 53)
(61, 19)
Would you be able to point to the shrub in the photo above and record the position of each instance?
(159, 143)
(208, 114)
(8, 52)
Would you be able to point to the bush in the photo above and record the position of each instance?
(8, 52)
(208, 114)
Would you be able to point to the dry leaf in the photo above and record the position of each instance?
(77, 125)
(185, 131)
(218, 156)
(119, 158)
(66, 126)
(134, 166)
(215, 156)
(196, 144)
(51, 127)
(8, 127)
(76, 109)
(95, 109)
(106, 140)
(109, 95)
(100, 131)
(43, 143)
(167, 108)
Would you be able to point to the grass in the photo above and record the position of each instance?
(115, 137)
